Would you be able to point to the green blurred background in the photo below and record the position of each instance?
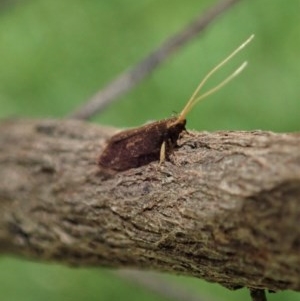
(54, 55)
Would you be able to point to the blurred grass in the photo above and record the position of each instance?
(56, 54)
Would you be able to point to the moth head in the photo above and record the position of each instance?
(197, 96)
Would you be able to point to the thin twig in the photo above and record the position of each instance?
(258, 294)
(130, 78)
(156, 283)
(6, 4)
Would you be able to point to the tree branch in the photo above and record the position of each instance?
(227, 211)
(130, 78)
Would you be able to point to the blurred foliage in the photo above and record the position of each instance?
(54, 55)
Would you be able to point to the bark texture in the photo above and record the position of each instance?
(226, 210)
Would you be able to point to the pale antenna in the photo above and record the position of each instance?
(195, 98)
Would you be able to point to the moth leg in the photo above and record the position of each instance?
(186, 132)
(162, 153)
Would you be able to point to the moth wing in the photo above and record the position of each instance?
(124, 135)
(127, 149)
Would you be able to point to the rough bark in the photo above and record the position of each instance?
(226, 210)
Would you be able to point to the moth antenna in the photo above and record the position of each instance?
(220, 85)
(195, 98)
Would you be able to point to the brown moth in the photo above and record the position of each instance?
(155, 141)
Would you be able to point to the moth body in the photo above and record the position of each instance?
(140, 146)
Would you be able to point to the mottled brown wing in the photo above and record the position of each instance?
(135, 147)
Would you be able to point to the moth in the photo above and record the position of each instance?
(155, 141)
